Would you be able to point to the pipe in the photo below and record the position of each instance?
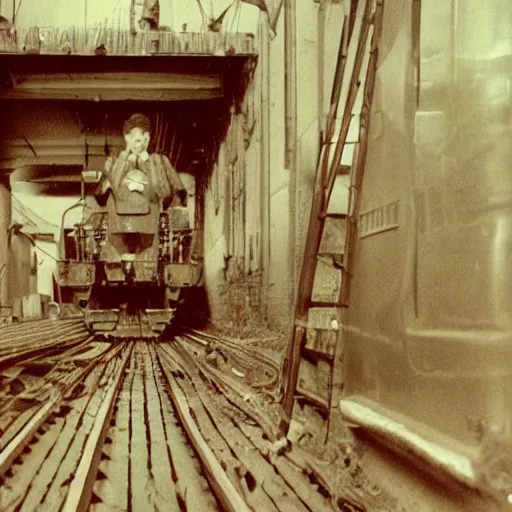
(321, 60)
(290, 66)
(264, 80)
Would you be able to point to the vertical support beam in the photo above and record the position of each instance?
(321, 61)
(290, 80)
(264, 118)
(5, 221)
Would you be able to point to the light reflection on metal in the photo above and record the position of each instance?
(446, 159)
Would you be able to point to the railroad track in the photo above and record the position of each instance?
(35, 339)
(135, 426)
(258, 369)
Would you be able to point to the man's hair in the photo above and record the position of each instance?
(137, 121)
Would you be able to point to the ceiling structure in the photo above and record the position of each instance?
(87, 89)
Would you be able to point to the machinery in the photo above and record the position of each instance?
(126, 263)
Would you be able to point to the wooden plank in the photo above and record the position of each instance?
(93, 94)
(291, 474)
(191, 486)
(113, 490)
(140, 475)
(311, 398)
(321, 342)
(292, 362)
(108, 80)
(9, 151)
(80, 488)
(161, 487)
(217, 475)
(14, 163)
(68, 490)
(33, 493)
(93, 142)
(260, 469)
(11, 446)
(14, 489)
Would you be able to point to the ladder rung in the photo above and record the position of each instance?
(311, 398)
(343, 170)
(323, 304)
(325, 215)
(318, 354)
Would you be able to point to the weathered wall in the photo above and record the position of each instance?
(46, 266)
(22, 267)
(270, 197)
(257, 209)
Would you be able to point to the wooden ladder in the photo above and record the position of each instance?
(309, 362)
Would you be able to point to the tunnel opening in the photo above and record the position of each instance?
(51, 140)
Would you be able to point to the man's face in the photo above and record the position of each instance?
(137, 141)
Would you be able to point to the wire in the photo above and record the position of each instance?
(203, 13)
(33, 242)
(239, 16)
(237, 8)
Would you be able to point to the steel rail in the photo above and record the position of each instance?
(234, 394)
(244, 361)
(43, 389)
(247, 364)
(81, 487)
(223, 487)
(239, 352)
(27, 328)
(15, 447)
(227, 341)
(30, 352)
(11, 342)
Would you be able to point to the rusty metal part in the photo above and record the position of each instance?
(23, 438)
(228, 495)
(80, 488)
(36, 339)
(248, 359)
(238, 393)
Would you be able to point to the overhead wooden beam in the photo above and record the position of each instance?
(111, 78)
(114, 86)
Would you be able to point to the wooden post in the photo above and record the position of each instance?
(264, 80)
(290, 109)
(5, 221)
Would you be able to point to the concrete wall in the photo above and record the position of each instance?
(232, 290)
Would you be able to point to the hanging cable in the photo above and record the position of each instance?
(203, 13)
(33, 242)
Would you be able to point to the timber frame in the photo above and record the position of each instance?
(123, 77)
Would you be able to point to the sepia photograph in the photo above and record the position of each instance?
(254, 256)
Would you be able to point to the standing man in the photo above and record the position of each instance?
(152, 175)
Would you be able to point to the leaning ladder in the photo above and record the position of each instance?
(315, 340)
